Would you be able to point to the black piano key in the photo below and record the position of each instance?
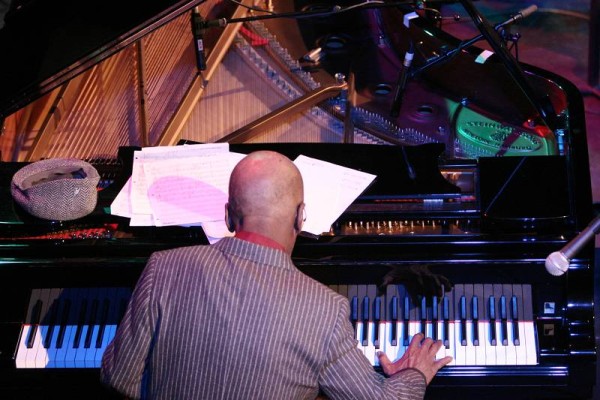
(463, 321)
(434, 317)
(51, 322)
(423, 316)
(365, 320)
(492, 315)
(503, 321)
(103, 322)
(91, 320)
(515, 320)
(406, 320)
(394, 319)
(377, 320)
(80, 322)
(35, 321)
(354, 311)
(475, 312)
(64, 321)
(446, 317)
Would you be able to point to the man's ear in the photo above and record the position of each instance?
(300, 218)
(228, 219)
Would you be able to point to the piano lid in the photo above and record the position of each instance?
(44, 44)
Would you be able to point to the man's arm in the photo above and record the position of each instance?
(124, 361)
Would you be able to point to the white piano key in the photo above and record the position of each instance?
(393, 351)
(67, 328)
(508, 342)
(54, 320)
(65, 354)
(38, 356)
(90, 356)
(52, 350)
(26, 350)
(480, 350)
(530, 342)
(451, 350)
(490, 348)
(529, 326)
(79, 350)
(470, 349)
(440, 331)
(500, 349)
(372, 302)
(22, 350)
(460, 351)
(429, 327)
(369, 350)
(41, 356)
(32, 355)
(511, 349)
(403, 338)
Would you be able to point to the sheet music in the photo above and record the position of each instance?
(188, 185)
(192, 191)
(328, 190)
(133, 201)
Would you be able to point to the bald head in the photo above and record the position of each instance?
(265, 194)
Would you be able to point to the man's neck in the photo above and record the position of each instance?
(259, 239)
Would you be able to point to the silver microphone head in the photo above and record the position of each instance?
(557, 263)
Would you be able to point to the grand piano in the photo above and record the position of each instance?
(480, 176)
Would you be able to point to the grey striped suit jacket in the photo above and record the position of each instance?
(237, 320)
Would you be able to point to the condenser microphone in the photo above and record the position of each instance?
(526, 12)
(402, 80)
(198, 27)
(557, 263)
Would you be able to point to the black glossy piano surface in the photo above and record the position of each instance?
(407, 263)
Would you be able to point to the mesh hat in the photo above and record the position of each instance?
(57, 189)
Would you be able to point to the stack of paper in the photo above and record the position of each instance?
(188, 185)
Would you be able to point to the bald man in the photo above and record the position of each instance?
(237, 320)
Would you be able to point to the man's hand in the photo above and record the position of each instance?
(419, 355)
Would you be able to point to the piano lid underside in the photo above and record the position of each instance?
(149, 93)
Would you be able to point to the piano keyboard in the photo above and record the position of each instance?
(69, 328)
(479, 324)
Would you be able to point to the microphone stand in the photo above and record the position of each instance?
(221, 22)
(542, 105)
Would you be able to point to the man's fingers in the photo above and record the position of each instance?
(416, 340)
(385, 363)
(443, 361)
(436, 346)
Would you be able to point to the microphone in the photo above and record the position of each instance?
(198, 27)
(402, 79)
(518, 16)
(557, 263)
